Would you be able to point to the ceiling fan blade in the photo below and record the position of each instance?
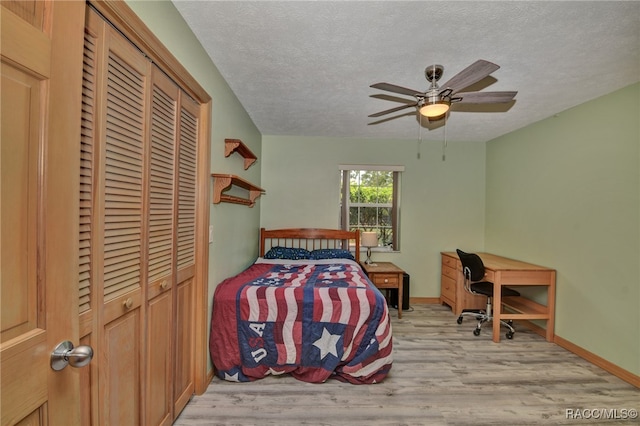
(396, 89)
(472, 74)
(378, 114)
(485, 97)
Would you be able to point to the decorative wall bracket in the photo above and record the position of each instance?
(223, 182)
(236, 145)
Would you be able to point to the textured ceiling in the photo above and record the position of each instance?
(304, 67)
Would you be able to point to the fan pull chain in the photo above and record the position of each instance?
(444, 142)
(419, 136)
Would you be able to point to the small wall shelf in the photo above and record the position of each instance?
(222, 182)
(236, 145)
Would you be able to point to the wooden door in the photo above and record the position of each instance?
(121, 195)
(161, 254)
(113, 238)
(185, 302)
(172, 178)
(41, 68)
(139, 140)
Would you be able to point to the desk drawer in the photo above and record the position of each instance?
(386, 280)
(450, 272)
(448, 288)
(451, 262)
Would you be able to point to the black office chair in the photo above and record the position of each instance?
(473, 271)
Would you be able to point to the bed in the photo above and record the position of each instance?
(304, 308)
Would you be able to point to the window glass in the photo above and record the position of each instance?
(369, 202)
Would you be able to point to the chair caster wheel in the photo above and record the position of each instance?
(459, 320)
(509, 335)
(476, 332)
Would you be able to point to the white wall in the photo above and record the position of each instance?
(442, 203)
(565, 193)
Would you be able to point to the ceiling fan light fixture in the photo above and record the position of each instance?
(433, 109)
(435, 103)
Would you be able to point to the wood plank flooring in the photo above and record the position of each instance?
(442, 375)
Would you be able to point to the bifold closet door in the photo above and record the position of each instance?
(122, 209)
(161, 250)
(185, 300)
(171, 258)
(87, 282)
(171, 251)
(137, 241)
(113, 233)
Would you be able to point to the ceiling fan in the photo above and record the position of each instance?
(436, 101)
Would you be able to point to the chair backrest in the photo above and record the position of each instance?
(472, 266)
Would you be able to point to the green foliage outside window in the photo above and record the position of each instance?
(370, 203)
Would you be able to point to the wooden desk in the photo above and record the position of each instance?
(452, 290)
(386, 275)
(504, 271)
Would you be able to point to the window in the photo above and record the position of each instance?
(370, 201)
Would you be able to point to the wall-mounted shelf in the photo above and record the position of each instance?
(236, 145)
(222, 182)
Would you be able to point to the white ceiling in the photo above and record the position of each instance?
(304, 67)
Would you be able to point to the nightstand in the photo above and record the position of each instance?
(386, 275)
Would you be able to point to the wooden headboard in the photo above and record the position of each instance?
(309, 239)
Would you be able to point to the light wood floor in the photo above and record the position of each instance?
(442, 375)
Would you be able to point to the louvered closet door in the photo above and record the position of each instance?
(88, 292)
(122, 207)
(137, 234)
(111, 224)
(161, 273)
(186, 221)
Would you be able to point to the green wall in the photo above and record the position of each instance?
(564, 193)
(442, 202)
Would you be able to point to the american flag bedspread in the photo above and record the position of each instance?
(312, 319)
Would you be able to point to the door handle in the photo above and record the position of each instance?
(65, 354)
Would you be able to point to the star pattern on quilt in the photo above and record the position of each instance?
(327, 343)
(231, 378)
(271, 282)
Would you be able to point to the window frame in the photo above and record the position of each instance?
(345, 176)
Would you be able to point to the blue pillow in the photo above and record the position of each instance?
(331, 254)
(287, 253)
